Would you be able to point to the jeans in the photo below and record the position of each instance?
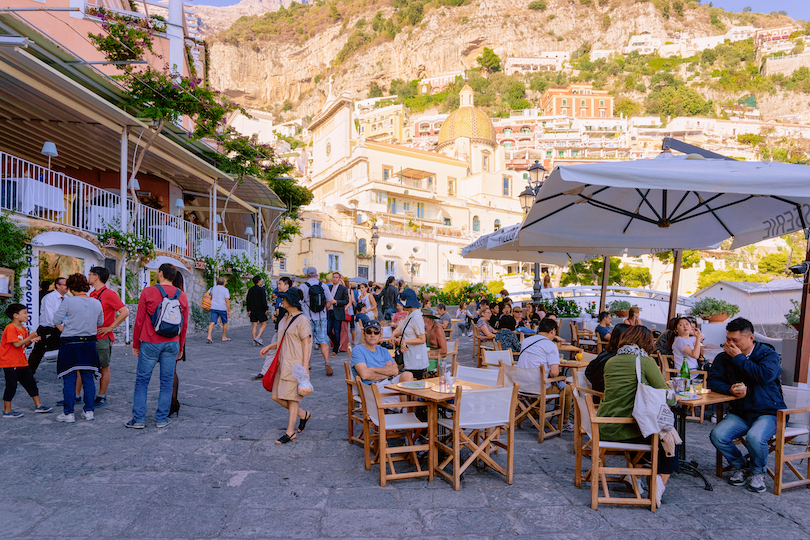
(757, 434)
(69, 391)
(150, 354)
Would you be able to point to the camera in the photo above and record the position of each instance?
(801, 268)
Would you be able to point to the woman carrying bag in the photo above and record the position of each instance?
(293, 348)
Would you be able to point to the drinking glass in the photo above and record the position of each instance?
(441, 367)
(448, 376)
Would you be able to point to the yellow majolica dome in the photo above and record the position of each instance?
(467, 121)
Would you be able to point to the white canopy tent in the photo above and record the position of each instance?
(502, 245)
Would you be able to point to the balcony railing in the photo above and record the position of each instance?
(405, 181)
(29, 189)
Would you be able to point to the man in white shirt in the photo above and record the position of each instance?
(540, 352)
(220, 308)
(317, 318)
(47, 331)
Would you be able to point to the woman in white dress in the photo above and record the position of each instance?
(367, 306)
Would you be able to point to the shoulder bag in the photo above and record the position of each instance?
(650, 410)
(270, 375)
(399, 358)
(206, 301)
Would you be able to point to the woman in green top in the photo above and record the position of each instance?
(620, 395)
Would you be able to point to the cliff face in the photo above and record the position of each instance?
(213, 19)
(448, 39)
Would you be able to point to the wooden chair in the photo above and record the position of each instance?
(448, 332)
(478, 415)
(483, 376)
(355, 406)
(480, 344)
(379, 427)
(452, 351)
(672, 372)
(582, 429)
(633, 453)
(492, 359)
(798, 403)
(665, 361)
(582, 338)
(534, 398)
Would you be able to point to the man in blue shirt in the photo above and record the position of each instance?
(373, 363)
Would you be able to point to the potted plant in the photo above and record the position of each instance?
(714, 310)
(794, 315)
(620, 308)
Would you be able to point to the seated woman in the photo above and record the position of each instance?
(604, 327)
(505, 311)
(684, 345)
(522, 326)
(595, 372)
(633, 318)
(485, 330)
(436, 340)
(620, 395)
(496, 314)
(506, 334)
(399, 315)
(662, 345)
(465, 316)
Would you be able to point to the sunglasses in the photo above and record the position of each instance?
(372, 331)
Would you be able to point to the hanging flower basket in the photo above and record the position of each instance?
(200, 264)
(110, 243)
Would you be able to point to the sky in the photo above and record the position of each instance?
(798, 9)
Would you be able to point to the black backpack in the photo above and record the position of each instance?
(317, 298)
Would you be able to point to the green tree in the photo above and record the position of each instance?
(774, 263)
(538, 5)
(489, 61)
(626, 107)
(635, 276)
(374, 90)
(690, 258)
(287, 105)
(590, 273)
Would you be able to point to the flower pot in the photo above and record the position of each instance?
(110, 243)
(623, 313)
(718, 317)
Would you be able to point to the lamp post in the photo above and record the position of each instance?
(410, 266)
(527, 198)
(375, 239)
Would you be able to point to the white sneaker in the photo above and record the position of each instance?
(88, 415)
(69, 418)
(739, 477)
(757, 483)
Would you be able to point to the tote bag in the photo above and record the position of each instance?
(270, 375)
(650, 410)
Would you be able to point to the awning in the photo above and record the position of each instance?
(162, 259)
(56, 238)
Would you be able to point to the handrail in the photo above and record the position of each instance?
(589, 290)
(30, 189)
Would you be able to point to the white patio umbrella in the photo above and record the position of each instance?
(502, 245)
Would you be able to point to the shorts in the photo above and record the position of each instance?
(219, 314)
(104, 348)
(259, 318)
(319, 331)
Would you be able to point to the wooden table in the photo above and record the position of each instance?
(432, 400)
(712, 398)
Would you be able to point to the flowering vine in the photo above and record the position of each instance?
(127, 37)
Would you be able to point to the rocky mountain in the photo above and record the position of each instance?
(263, 63)
(213, 19)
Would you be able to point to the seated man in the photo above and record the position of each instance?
(373, 364)
(436, 340)
(506, 334)
(557, 338)
(540, 352)
(604, 328)
(444, 319)
(750, 371)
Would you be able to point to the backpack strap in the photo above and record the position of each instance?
(532, 345)
(162, 291)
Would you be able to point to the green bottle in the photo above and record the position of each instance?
(685, 369)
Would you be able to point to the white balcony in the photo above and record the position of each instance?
(31, 190)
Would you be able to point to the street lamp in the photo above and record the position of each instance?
(527, 197)
(375, 239)
(410, 266)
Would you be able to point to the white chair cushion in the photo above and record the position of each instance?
(586, 342)
(794, 431)
(611, 445)
(357, 398)
(448, 423)
(403, 421)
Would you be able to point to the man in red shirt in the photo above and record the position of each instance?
(115, 312)
(151, 348)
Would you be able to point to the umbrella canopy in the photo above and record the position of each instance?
(358, 280)
(503, 245)
(670, 202)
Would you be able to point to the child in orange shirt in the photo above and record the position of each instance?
(15, 364)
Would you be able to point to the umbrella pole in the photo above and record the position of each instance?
(605, 281)
(803, 347)
(676, 278)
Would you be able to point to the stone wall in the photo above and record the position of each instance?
(786, 64)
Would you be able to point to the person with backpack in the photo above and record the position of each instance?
(159, 334)
(390, 292)
(316, 298)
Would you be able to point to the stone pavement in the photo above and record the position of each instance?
(215, 473)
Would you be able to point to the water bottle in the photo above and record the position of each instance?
(685, 369)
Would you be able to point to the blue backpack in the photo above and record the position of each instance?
(167, 320)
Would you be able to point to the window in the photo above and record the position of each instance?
(525, 176)
(448, 222)
(564, 111)
(382, 197)
(485, 162)
(565, 102)
(430, 183)
(602, 113)
(406, 206)
(507, 131)
(388, 172)
(525, 130)
(282, 264)
(334, 262)
(507, 145)
(497, 224)
(561, 153)
(583, 112)
(601, 102)
(476, 224)
(451, 187)
(362, 271)
(392, 205)
(420, 210)
(582, 103)
(390, 268)
(507, 187)
(361, 246)
(316, 229)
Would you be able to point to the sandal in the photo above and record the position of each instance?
(210, 340)
(302, 423)
(284, 439)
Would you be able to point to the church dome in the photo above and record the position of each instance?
(467, 121)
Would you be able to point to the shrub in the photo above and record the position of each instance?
(563, 308)
(794, 315)
(706, 307)
(538, 5)
(619, 305)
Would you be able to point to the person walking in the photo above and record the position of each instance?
(46, 330)
(337, 313)
(174, 408)
(220, 308)
(411, 336)
(78, 319)
(256, 304)
(115, 312)
(390, 293)
(316, 298)
(151, 347)
(15, 366)
(282, 285)
(295, 340)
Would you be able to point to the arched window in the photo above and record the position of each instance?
(476, 224)
(497, 224)
(361, 246)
